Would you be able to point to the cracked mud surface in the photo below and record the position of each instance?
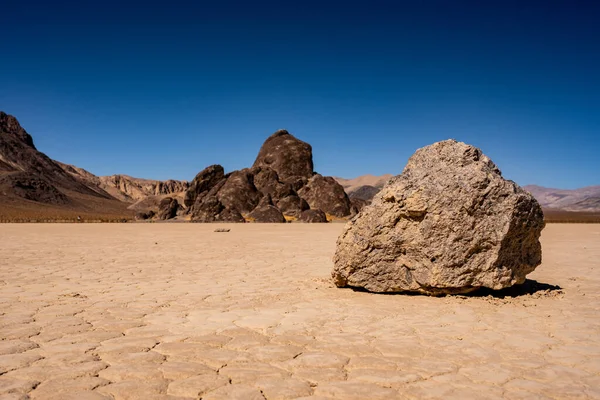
(176, 311)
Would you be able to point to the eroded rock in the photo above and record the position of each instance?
(326, 194)
(450, 223)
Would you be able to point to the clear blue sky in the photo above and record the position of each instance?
(161, 90)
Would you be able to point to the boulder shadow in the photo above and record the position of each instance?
(527, 288)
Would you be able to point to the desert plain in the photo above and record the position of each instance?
(178, 311)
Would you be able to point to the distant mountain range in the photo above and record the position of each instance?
(584, 199)
(363, 187)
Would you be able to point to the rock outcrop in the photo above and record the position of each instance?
(280, 183)
(168, 208)
(450, 223)
(325, 194)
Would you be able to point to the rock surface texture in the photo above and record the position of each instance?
(291, 158)
(450, 223)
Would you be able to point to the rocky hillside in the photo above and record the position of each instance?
(281, 185)
(583, 199)
(34, 186)
(126, 188)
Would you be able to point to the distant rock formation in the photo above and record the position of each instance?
(450, 223)
(127, 188)
(168, 208)
(362, 189)
(280, 183)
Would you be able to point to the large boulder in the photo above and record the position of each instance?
(313, 216)
(203, 183)
(291, 158)
(266, 212)
(167, 209)
(450, 223)
(326, 194)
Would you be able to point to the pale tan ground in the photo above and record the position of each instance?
(177, 311)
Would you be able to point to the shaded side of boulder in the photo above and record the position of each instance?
(267, 212)
(212, 210)
(204, 181)
(292, 205)
(267, 182)
(167, 209)
(238, 192)
(450, 223)
(326, 194)
(290, 157)
(313, 216)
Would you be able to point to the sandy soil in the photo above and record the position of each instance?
(177, 311)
